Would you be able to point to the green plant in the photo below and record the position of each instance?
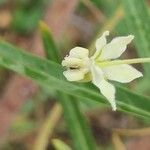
(49, 73)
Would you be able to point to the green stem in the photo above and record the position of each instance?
(126, 61)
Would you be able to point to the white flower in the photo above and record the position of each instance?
(101, 67)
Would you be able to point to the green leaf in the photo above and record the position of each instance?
(52, 53)
(77, 125)
(138, 21)
(50, 75)
(27, 15)
(107, 7)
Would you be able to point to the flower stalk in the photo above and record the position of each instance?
(125, 61)
(102, 66)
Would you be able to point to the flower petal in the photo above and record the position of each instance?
(116, 47)
(100, 43)
(107, 89)
(79, 52)
(74, 75)
(97, 74)
(121, 73)
(71, 61)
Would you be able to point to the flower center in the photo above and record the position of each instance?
(74, 67)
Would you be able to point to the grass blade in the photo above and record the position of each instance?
(52, 53)
(138, 21)
(50, 75)
(78, 127)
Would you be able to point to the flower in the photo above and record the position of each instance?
(101, 67)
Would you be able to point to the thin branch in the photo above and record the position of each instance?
(133, 132)
(108, 25)
(117, 142)
(47, 128)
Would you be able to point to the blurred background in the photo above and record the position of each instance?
(26, 109)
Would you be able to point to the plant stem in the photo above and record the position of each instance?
(126, 61)
(47, 128)
(133, 132)
(109, 24)
(117, 142)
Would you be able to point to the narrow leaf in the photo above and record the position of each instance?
(52, 53)
(50, 75)
(78, 127)
(138, 21)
